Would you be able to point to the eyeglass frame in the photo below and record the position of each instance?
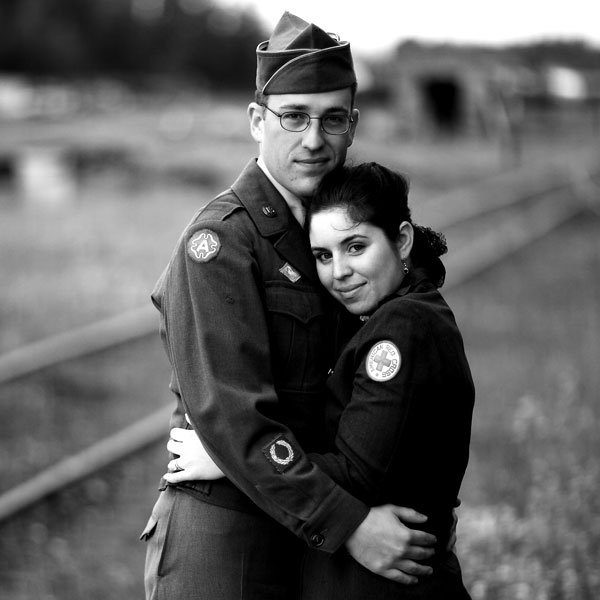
(310, 118)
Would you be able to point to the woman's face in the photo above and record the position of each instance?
(357, 263)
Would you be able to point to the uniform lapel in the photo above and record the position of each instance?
(294, 247)
(273, 218)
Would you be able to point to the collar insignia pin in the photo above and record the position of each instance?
(269, 211)
(290, 272)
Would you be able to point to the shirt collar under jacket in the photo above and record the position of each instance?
(291, 200)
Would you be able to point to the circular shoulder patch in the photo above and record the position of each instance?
(203, 246)
(383, 361)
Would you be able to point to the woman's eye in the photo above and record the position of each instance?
(356, 248)
(323, 257)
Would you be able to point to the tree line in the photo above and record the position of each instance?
(132, 39)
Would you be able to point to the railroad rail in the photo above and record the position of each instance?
(522, 206)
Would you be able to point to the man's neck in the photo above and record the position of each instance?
(291, 200)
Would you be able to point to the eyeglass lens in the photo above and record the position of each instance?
(297, 121)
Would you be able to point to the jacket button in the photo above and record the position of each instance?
(317, 540)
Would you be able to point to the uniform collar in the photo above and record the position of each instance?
(273, 218)
(417, 280)
(264, 203)
(291, 200)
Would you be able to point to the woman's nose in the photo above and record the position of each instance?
(341, 268)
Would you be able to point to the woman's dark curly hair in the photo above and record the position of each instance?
(372, 193)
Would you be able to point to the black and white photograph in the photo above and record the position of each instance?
(300, 300)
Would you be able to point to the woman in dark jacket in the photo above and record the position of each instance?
(401, 394)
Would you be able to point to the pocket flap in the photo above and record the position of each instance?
(149, 529)
(303, 304)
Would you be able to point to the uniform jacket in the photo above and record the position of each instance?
(400, 407)
(247, 329)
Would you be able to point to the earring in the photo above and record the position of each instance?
(405, 267)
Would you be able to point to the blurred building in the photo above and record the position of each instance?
(444, 90)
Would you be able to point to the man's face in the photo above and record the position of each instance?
(299, 160)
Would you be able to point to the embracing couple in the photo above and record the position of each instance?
(324, 399)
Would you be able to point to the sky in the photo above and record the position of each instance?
(373, 26)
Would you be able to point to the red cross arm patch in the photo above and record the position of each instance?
(281, 454)
(383, 361)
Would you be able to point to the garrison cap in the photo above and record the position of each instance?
(301, 58)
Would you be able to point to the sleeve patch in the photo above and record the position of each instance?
(281, 454)
(383, 361)
(203, 246)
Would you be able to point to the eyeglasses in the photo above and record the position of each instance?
(334, 124)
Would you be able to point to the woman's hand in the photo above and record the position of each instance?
(192, 462)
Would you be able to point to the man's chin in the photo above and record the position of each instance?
(306, 192)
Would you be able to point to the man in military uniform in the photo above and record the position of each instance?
(248, 331)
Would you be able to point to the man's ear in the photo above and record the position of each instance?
(406, 236)
(256, 116)
(352, 131)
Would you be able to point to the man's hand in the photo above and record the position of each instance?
(387, 547)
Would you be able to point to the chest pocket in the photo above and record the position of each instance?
(298, 323)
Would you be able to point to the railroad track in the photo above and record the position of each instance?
(484, 223)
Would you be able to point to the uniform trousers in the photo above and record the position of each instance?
(200, 551)
(340, 577)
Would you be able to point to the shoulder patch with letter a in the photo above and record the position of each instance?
(383, 361)
(204, 245)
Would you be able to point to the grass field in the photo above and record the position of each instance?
(529, 524)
